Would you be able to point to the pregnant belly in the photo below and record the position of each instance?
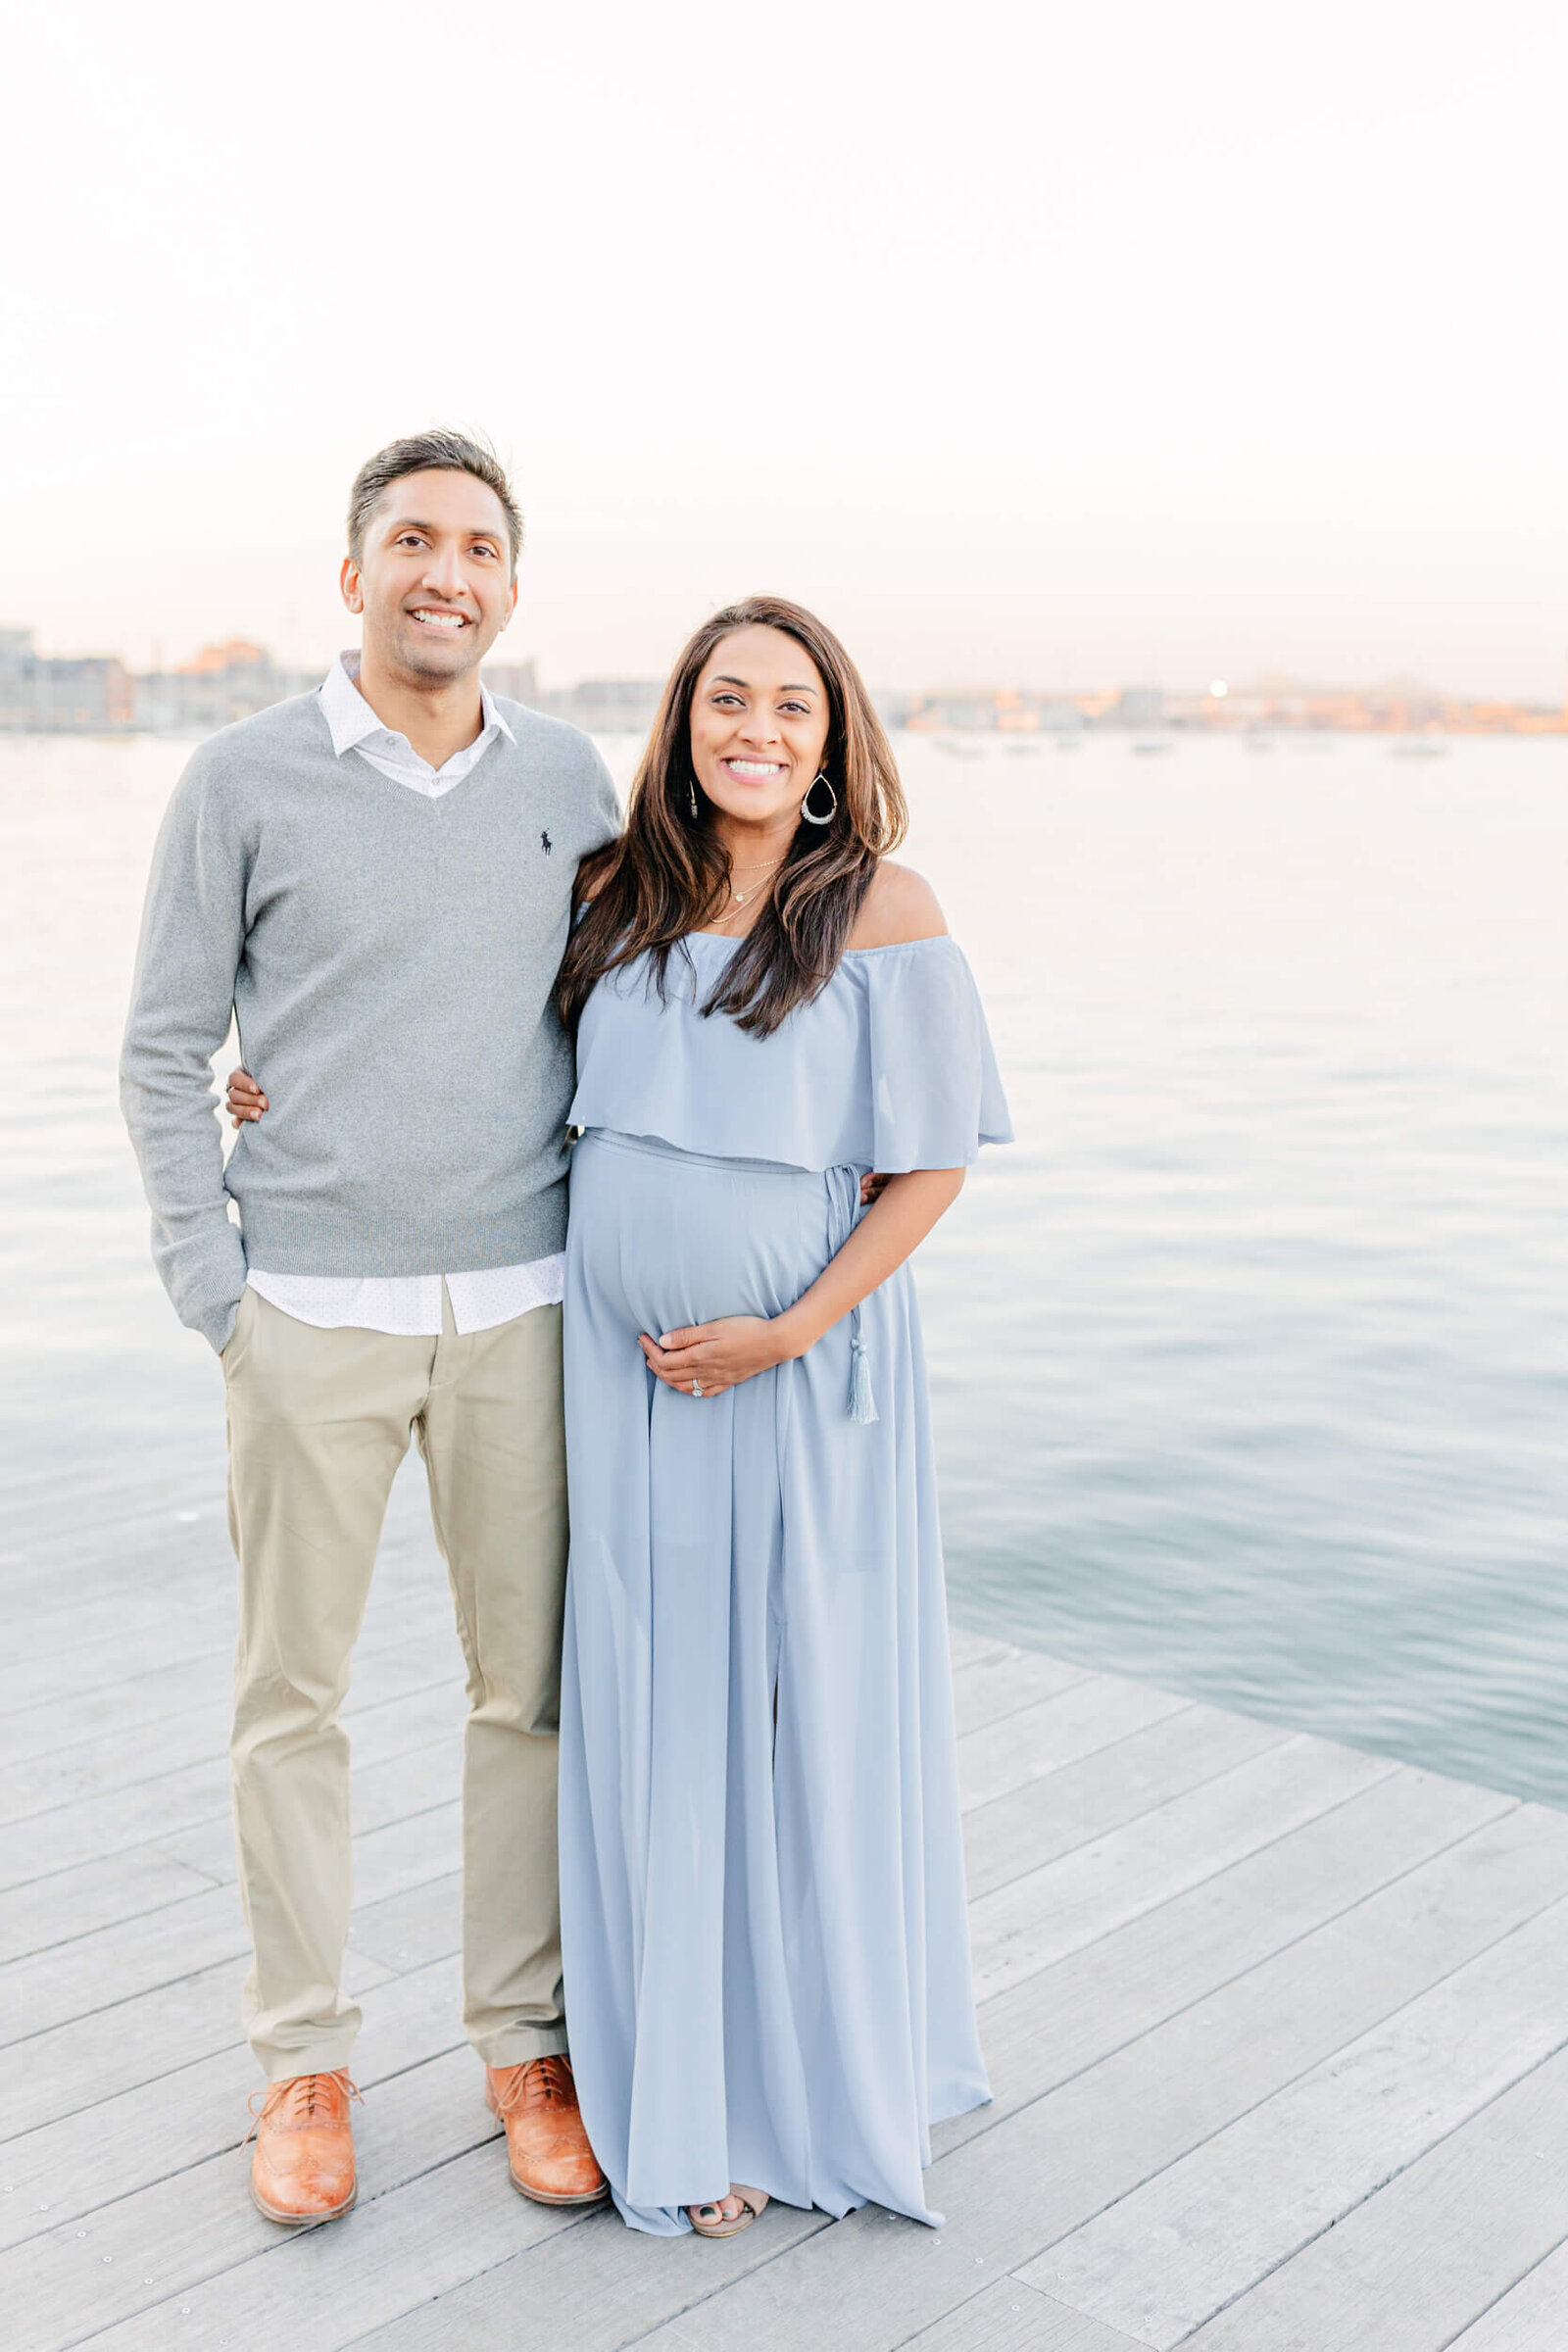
(660, 1238)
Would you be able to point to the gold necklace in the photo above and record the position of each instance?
(740, 897)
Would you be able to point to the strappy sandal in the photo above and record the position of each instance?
(752, 2202)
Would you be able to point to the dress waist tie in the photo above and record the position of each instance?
(844, 1199)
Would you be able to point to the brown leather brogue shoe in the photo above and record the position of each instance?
(303, 2168)
(547, 2147)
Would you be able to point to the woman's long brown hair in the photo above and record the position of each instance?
(667, 872)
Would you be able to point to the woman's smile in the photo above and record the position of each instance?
(759, 732)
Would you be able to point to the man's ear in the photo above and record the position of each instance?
(350, 585)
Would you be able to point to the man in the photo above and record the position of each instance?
(377, 878)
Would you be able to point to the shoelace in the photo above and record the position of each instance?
(298, 2099)
(555, 2083)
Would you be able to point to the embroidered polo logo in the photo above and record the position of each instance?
(545, 844)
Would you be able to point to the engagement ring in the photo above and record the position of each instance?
(697, 1387)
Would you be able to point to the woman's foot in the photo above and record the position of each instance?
(726, 2216)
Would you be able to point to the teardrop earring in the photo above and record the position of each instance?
(832, 810)
(691, 795)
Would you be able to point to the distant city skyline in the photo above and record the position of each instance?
(508, 653)
(1064, 345)
(1145, 605)
(235, 678)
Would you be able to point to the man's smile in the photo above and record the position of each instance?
(439, 617)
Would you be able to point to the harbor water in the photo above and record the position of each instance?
(1249, 1357)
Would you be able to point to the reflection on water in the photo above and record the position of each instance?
(1249, 1357)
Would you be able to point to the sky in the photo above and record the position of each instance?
(1030, 345)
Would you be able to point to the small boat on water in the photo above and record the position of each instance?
(1069, 743)
(956, 749)
(1258, 743)
(1419, 747)
(1150, 747)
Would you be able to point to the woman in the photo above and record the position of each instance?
(763, 1902)
(763, 1908)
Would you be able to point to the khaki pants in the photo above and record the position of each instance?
(318, 1423)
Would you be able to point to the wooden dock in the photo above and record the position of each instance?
(1278, 2031)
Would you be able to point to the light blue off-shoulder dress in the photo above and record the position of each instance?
(766, 1954)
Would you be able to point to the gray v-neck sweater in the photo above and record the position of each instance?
(390, 959)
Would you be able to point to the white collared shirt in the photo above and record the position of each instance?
(356, 728)
(409, 1306)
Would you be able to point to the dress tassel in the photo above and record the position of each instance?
(863, 1405)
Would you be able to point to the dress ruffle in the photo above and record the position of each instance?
(890, 1067)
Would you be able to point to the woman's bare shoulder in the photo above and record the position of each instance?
(900, 905)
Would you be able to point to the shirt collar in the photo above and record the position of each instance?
(352, 721)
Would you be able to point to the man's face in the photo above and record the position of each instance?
(434, 578)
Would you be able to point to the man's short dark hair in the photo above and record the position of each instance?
(439, 451)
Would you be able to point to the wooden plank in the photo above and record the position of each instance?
(406, 1930)
(1013, 2187)
(1209, 1988)
(97, 1767)
(85, 1536)
(318, 2290)
(140, 1646)
(69, 1979)
(42, 1726)
(147, 2035)
(89, 1768)
(1177, 2251)
(596, 2291)
(77, 2163)
(54, 1910)
(49, 1988)
(401, 1932)
(146, 1812)
(997, 1687)
(1380, 1833)
(407, 1662)
(1391, 1870)
(152, 1553)
(612, 2287)
(1000, 1756)
(178, 1476)
(144, 1559)
(25, 1490)
(1080, 1801)
(603, 2286)
(160, 1574)
(1529, 2316)
(188, 1813)
(1412, 2267)
(1049, 1912)
(198, 2222)
(35, 1633)
(76, 1902)
(1091, 2004)
(92, 2058)
(383, 1796)
(874, 2281)
(972, 1649)
(1009, 2317)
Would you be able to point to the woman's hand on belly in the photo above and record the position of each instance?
(716, 1355)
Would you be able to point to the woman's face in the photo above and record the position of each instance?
(759, 726)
